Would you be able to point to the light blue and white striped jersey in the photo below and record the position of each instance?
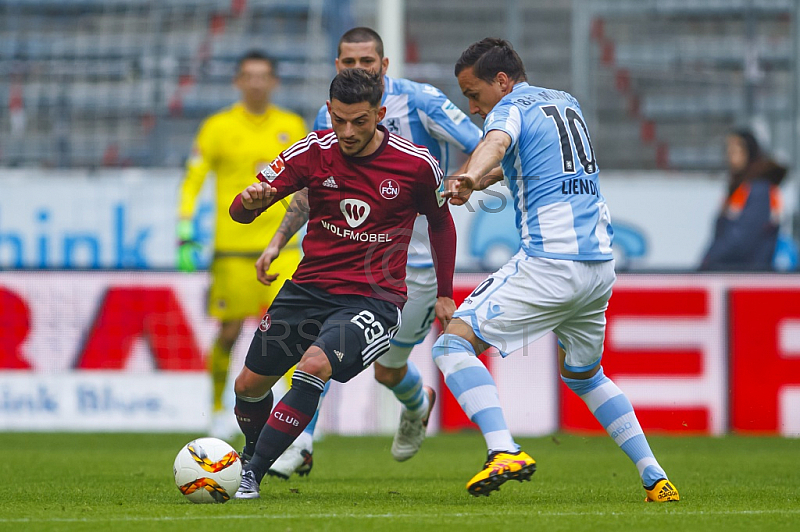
(551, 171)
(422, 114)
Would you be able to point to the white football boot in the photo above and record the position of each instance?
(411, 432)
(298, 458)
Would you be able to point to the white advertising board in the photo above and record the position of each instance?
(125, 219)
(104, 401)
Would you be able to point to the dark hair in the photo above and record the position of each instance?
(361, 34)
(257, 55)
(490, 56)
(759, 164)
(750, 143)
(356, 85)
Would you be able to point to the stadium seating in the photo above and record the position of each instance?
(440, 31)
(692, 71)
(667, 78)
(130, 80)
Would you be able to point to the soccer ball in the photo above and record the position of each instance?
(207, 470)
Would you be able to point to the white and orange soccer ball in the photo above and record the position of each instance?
(207, 470)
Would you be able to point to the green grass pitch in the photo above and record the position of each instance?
(120, 482)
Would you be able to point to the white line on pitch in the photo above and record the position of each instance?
(677, 511)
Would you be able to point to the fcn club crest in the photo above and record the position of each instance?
(389, 189)
(266, 321)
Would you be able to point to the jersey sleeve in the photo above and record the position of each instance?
(429, 185)
(441, 228)
(288, 173)
(505, 117)
(199, 164)
(323, 120)
(444, 121)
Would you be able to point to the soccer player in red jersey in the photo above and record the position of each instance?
(342, 306)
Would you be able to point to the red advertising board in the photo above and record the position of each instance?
(651, 360)
(765, 356)
(695, 354)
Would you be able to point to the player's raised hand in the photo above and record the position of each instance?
(263, 263)
(258, 196)
(458, 188)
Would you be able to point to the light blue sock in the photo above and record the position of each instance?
(313, 423)
(615, 413)
(409, 391)
(473, 387)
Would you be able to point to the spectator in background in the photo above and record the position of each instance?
(746, 230)
(235, 144)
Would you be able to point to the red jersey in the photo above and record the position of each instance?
(362, 212)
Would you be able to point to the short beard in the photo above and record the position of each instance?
(365, 144)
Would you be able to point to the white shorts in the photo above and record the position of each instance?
(531, 296)
(417, 317)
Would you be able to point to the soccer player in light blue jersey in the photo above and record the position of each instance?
(422, 114)
(561, 278)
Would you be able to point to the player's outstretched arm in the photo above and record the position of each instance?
(460, 187)
(296, 217)
(488, 155)
(481, 168)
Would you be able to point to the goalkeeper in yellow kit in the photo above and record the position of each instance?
(235, 144)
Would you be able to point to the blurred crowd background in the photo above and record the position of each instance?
(95, 84)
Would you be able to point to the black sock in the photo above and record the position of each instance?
(252, 415)
(290, 416)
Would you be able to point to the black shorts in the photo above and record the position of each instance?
(352, 330)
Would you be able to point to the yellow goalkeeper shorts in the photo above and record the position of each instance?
(236, 293)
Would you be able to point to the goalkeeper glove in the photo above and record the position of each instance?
(186, 246)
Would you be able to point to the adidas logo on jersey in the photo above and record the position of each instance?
(330, 182)
(338, 354)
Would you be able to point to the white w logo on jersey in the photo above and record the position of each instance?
(355, 211)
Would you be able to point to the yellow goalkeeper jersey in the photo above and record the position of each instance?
(235, 145)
